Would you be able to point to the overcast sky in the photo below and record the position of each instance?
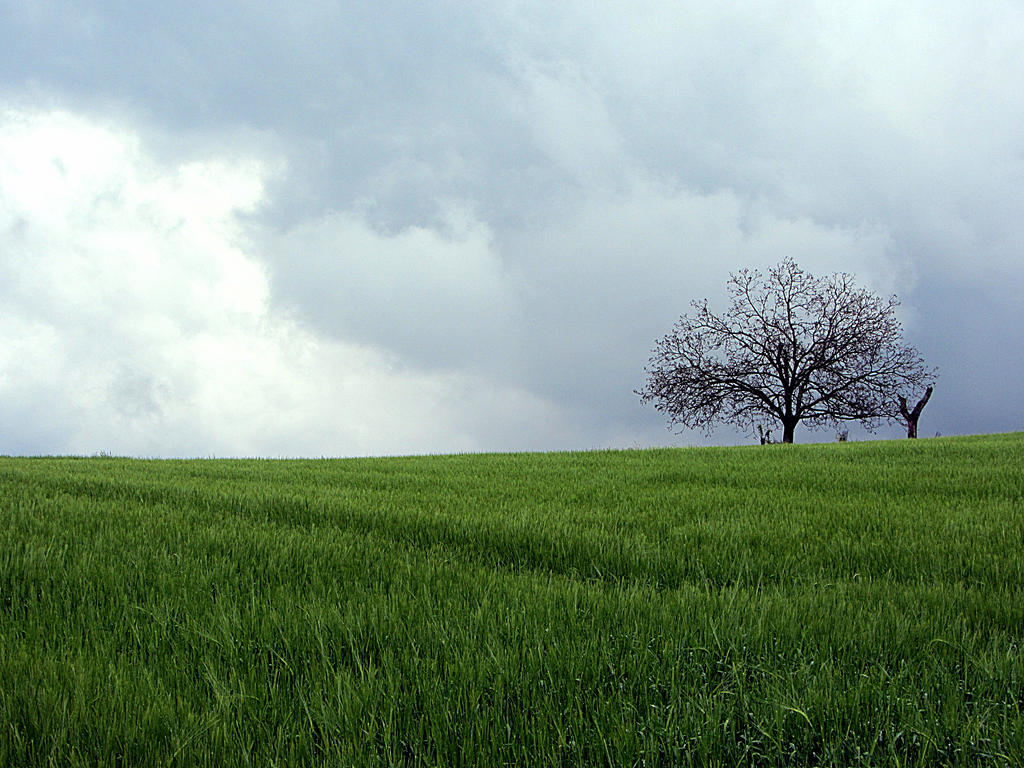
(350, 228)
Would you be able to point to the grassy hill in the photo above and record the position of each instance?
(843, 604)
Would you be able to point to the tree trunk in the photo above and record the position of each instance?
(912, 416)
(788, 427)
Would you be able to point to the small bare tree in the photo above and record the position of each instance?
(793, 348)
(911, 416)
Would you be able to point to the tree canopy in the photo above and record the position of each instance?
(791, 348)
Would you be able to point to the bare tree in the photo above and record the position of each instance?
(911, 416)
(793, 348)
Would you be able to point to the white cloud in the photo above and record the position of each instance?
(134, 321)
(437, 296)
(569, 122)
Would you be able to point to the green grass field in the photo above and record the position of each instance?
(842, 604)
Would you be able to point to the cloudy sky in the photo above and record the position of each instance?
(350, 228)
